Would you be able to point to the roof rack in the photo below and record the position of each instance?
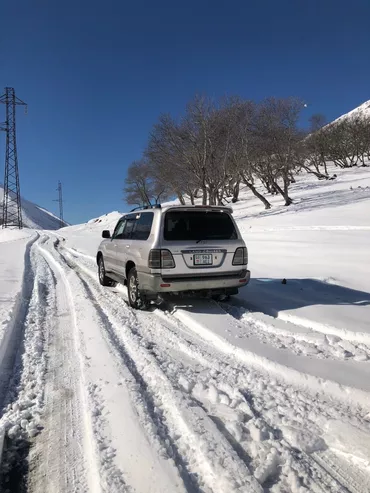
(145, 207)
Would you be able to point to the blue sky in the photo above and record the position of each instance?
(96, 75)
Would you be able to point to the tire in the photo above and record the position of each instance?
(103, 279)
(135, 298)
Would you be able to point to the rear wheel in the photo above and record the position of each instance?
(103, 279)
(135, 298)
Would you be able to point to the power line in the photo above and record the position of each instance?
(12, 208)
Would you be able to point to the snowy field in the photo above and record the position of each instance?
(269, 392)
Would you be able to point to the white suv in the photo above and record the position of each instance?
(157, 251)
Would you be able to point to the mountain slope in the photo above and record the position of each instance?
(34, 216)
(362, 111)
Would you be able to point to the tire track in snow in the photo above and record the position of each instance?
(344, 333)
(321, 474)
(59, 461)
(192, 434)
(116, 430)
(14, 331)
(23, 416)
(326, 374)
(313, 375)
(304, 340)
(90, 453)
(159, 340)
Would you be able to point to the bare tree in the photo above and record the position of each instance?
(140, 188)
(316, 146)
(191, 154)
(317, 122)
(208, 135)
(169, 155)
(359, 129)
(242, 155)
(341, 148)
(279, 142)
(214, 147)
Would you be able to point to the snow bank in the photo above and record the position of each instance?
(86, 237)
(14, 247)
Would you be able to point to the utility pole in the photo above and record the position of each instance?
(12, 210)
(60, 200)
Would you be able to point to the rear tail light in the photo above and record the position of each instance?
(167, 260)
(240, 256)
(154, 259)
(161, 259)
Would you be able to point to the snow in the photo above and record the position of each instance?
(347, 439)
(302, 439)
(34, 216)
(269, 391)
(86, 237)
(13, 247)
(362, 111)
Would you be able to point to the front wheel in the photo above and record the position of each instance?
(135, 297)
(103, 279)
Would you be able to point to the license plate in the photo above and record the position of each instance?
(203, 259)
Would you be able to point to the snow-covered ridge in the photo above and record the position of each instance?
(34, 216)
(362, 111)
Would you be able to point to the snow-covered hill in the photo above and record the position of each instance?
(362, 111)
(34, 216)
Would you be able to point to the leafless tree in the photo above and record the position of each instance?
(168, 154)
(279, 142)
(216, 146)
(359, 129)
(191, 154)
(208, 135)
(316, 146)
(140, 187)
(242, 152)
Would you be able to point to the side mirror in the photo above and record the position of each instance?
(106, 234)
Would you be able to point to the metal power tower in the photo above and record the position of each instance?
(60, 200)
(12, 212)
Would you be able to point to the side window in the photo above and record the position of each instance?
(143, 226)
(117, 234)
(130, 223)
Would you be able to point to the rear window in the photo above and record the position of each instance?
(198, 225)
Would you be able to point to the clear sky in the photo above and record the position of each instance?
(96, 75)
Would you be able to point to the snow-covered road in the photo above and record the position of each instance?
(189, 398)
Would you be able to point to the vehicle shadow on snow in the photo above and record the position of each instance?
(272, 296)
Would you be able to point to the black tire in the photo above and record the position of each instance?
(135, 298)
(103, 279)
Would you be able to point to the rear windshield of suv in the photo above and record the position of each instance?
(198, 225)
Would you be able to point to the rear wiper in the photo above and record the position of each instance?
(201, 239)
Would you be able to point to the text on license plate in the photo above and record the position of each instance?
(203, 259)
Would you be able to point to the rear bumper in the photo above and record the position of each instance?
(155, 283)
